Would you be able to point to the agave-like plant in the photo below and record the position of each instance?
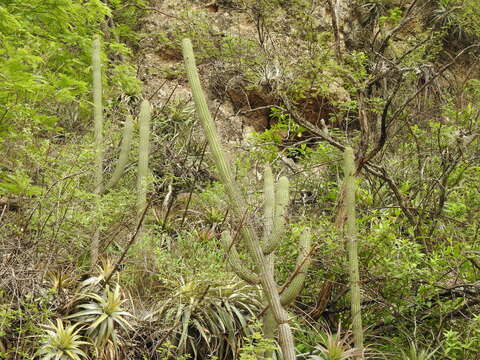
(208, 317)
(62, 343)
(414, 353)
(336, 347)
(102, 315)
(104, 271)
(60, 280)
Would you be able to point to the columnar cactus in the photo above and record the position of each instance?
(98, 133)
(98, 114)
(143, 151)
(260, 248)
(351, 239)
(127, 135)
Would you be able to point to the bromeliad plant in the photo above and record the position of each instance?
(261, 248)
(335, 346)
(62, 343)
(208, 317)
(102, 316)
(144, 125)
(96, 282)
(416, 353)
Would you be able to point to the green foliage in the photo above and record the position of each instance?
(256, 345)
(393, 18)
(44, 57)
(168, 351)
(45, 71)
(459, 17)
(19, 184)
(458, 346)
(21, 326)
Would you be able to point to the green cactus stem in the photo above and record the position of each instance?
(124, 151)
(98, 134)
(97, 114)
(272, 241)
(351, 239)
(240, 268)
(143, 153)
(269, 324)
(302, 264)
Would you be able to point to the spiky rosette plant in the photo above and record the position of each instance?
(209, 317)
(62, 342)
(416, 353)
(336, 346)
(127, 136)
(102, 316)
(94, 282)
(260, 248)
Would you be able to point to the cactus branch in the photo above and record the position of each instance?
(235, 262)
(127, 134)
(351, 238)
(269, 324)
(304, 260)
(269, 204)
(278, 229)
(124, 151)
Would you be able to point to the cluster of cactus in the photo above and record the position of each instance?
(275, 203)
(261, 248)
(127, 136)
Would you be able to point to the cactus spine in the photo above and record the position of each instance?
(351, 238)
(274, 216)
(127, 136)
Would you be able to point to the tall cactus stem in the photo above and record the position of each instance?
(269, 324)
(127, 135)
(351, 239)
(98, 135)
(124, 151)
(143, 152)
(97, 114)
(239, 206)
